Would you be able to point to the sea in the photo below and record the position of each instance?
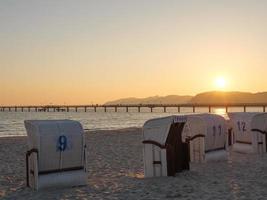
(12, 123)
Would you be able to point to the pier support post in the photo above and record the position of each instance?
(85, 109)
(127, 109)
(151, 109)
(139, 109)
(76, 109)
(164, 108)
(9, 109)
(226, 109)
(116, 109)
(15, 109)
(68, 109)
(209, 109)
(29, 109)
(22, 109)
(264, 108)
(245, 108)
(105, 108)
(95, 108)
(36, 109)
(179, 109)
(194, 109)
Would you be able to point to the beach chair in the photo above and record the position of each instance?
(249, 131)
(56, 155)
(172, 143)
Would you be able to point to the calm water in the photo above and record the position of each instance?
(11, 123)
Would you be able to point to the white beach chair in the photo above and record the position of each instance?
(249, 131)
(171, 143)
(56, 155)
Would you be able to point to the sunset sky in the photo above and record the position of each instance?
(83, 52)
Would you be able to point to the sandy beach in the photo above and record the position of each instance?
(115, 171)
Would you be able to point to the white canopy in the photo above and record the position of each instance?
(259, 122)
(157, 129)
(240, 123)
(244, 122)
(48, 136)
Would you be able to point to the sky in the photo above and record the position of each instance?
(84, 51)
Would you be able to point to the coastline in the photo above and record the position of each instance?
(115, 171)
(86, 131)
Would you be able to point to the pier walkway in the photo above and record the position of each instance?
(151, 107)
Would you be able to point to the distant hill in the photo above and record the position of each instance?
(171, 99)
(202, 98)
(230, 97)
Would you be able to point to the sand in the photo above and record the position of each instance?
(115, 171)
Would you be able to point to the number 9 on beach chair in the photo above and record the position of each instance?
(56, 155)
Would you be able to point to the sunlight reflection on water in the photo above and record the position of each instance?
(221, 111)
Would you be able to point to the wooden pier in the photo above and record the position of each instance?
(138, 107)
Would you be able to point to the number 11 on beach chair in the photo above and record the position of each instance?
(172, 143)
(56, 155)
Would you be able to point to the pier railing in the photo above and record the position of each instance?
(95, 108)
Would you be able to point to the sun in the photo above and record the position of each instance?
(220, 83)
